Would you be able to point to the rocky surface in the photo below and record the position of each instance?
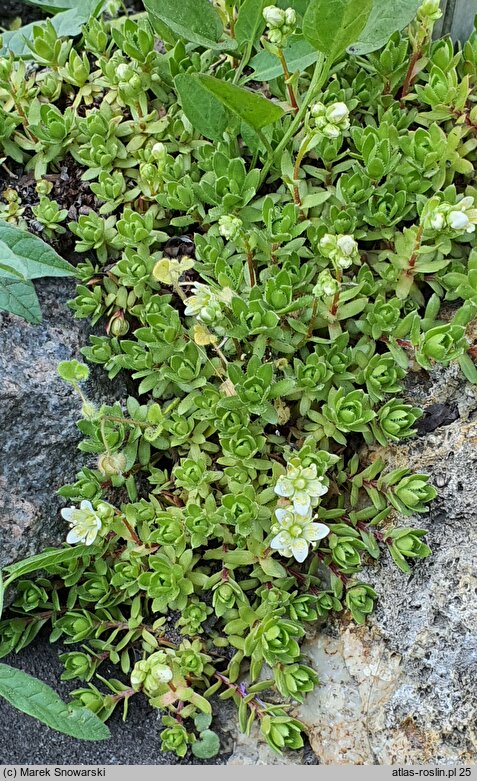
(402, 688)
(38, 411)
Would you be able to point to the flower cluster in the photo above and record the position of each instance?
(330, 120)
(342, 250)
(281, 24)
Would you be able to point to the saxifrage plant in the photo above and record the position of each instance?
(277, 224)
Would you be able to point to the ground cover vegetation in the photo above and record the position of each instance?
(277, 201)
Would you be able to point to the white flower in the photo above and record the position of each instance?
(84, 522)
(318, 109)
(290, 17)
(331, 131)
(342, 249)
(295, 533)
(347, 245)
(460, 217)
(437, 221)
(206, 305)
(337, 112)
(326, 285)
(274, 16)
(230, 227)
(459, 221)
(302, 486)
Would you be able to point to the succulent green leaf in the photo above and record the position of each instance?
(66, 23)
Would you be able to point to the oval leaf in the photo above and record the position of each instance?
(332, 25)
(250, 21)
(19, 298)
(36, 699)
(386, 18)
(205, 112)
(194, 20)
(30, 256)
(253, 109)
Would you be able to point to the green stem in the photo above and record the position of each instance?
(296, 169)
(286, 73)
(320, 74)
(243, 62)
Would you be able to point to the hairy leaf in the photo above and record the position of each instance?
(43, 561)
(250, 21)
(194, 20)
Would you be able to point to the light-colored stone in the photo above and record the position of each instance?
(401, 689)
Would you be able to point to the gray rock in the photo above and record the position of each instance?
(402, 688)
(38, 451)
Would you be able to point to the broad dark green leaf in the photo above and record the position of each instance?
(252, 108)
(54, 6)
(19, 297)
(36, 699)
(250, 21)
(67, 24)
(299, 6)
(332, 25)
(202, 109)
(30, 256)
(44, 560)
(386, 17)
(194, 20)
(299, 54)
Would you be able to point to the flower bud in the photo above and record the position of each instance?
(110, 464)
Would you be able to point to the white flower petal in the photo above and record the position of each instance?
(281, 513)
(299, 549)
(284, 487)
(72, 537)
(277, 542)
(315, 531)
(301, 503)
(67, 513)
(86, 505)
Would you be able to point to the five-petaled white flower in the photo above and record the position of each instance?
(302, 486)
(294, 533)
(84, 522)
